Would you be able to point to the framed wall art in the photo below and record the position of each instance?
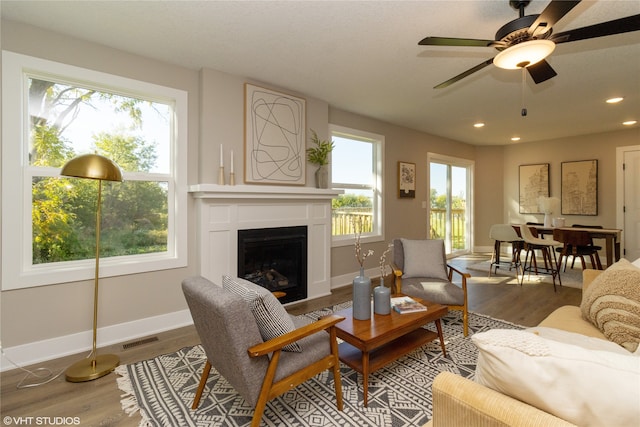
(406, 180)
(534, 183)
(275, 137)
(579, 188)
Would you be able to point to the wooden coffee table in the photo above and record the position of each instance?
(371, 344)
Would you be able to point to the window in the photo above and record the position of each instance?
(356, 168)
(450, 181)
(53, 112)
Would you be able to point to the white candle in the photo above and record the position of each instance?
(221, 158)
(231, 161)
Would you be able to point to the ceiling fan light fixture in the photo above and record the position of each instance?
(524, 54)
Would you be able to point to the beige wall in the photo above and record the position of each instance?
(601, 147)
(488, 193)
(402, 217)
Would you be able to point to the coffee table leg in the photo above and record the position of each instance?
(439, 327)
(365, 377)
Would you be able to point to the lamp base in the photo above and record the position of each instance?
(84, 370)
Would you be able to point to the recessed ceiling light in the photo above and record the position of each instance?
(630, 122)
(478, 125)
(614, 100)
(515, 138)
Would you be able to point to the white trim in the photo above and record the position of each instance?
(41, 351)
(378, 142)
(17, 269)
(620, 151)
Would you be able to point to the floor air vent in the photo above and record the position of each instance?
(127, 346)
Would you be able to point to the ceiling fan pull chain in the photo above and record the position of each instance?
(523, 112)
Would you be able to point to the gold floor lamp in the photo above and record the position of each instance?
(93, 166)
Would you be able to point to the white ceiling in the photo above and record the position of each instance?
(363, 56)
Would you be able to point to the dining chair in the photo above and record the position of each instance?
(547, 249)
(596, 247)
(505, 233)
(576, 244)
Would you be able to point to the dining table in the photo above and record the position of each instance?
(612, 237)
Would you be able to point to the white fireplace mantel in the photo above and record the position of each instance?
(215, 191)
(225, 209)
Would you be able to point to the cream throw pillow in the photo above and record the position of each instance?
(586, 387)
(612, 304)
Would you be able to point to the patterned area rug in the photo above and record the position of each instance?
(161, 390)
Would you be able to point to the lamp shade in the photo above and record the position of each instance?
(92, 166)
(524, 54)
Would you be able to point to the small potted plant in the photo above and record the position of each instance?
(319, 155)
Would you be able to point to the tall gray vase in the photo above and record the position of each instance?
(362, 297)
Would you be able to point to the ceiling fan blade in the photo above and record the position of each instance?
(465, 74)
(609, 28)
(452, 41)
(541, 71)
(550, 15)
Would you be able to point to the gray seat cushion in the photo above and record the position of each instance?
(438, 291)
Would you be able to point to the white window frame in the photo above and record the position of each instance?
(17, 268)
(378, 191)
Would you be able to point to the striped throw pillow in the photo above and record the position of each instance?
(271, 317)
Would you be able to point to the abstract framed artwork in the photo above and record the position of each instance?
(579, 188)
(534, 183)
(275, 137)
(406, 180)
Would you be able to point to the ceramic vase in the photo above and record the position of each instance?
(322, 177)
(362, 297)
(381, 300)
(547, 220)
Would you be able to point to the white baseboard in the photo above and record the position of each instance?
(484, 249)
(41, 351)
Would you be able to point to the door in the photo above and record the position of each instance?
(450, 202)
(631, 208)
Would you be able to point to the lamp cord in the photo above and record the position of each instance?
(45, 375)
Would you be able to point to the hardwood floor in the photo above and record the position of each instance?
(97, 403)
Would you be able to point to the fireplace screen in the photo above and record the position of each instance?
(276, 259)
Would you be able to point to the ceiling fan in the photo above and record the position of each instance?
(526, 41)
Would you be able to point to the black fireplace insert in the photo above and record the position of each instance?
(276, 259)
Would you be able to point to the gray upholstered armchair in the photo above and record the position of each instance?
(420, 269)
(258, 369)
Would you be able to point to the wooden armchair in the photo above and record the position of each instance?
(420, 269)
(234, 347)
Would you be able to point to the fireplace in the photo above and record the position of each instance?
(276, 259)
(224, 210)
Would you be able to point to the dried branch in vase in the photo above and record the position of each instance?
(360, 254)
(383, 264)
